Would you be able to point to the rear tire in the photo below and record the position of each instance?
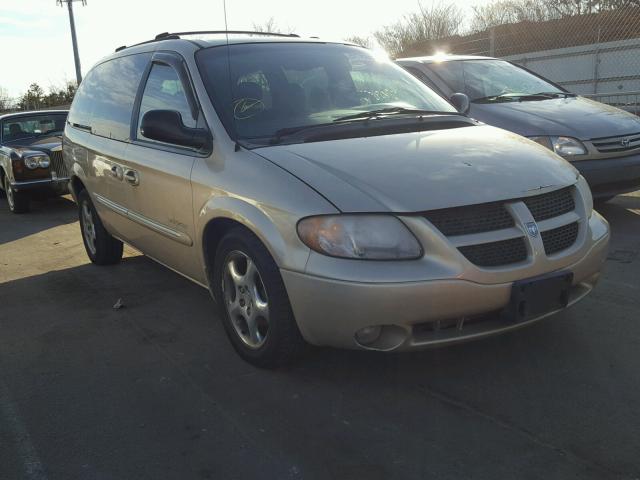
(253, 301)
(19, 202)
(101, 247)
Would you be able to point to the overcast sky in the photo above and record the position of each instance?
(36, 43)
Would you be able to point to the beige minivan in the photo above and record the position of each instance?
(324, 195)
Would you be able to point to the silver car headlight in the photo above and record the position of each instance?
(567, 147)
(33, 161)
(365, 237)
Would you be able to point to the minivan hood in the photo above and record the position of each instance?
(427, 170)
(576, 117)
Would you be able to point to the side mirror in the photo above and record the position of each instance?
(461, 102)
(166, 126)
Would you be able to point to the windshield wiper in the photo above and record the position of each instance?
(369, 114)
(285, 132)
(519, 97)
(350, 119)
(557, 94)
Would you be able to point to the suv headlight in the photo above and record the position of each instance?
(33, 161)
(564, 146)
(366, 237)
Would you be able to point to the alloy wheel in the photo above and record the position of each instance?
(9, 192)
(88, 227)
(245, 299)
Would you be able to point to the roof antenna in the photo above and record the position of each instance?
(233, 120)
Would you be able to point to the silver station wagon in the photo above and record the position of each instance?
(324, 195)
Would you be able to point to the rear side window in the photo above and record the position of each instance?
(80, 111)
(106, 96)
(165, 91)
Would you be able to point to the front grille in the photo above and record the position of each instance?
(549, 205)
(622, 143)
(484, 217)
(57, 164)
(495, 254)
(488, 217)
(559, 238)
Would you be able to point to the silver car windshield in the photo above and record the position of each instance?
(262, 89)
(483, 79)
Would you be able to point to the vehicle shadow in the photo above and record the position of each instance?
(43, 216)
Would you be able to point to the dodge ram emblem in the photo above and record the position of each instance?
(532, 229)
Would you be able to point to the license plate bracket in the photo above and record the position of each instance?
(538, 296)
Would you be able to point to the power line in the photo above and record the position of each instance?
(74, 40)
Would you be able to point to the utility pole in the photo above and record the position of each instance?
(74, 40)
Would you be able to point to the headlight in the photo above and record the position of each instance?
(568, 147)
(32, 162)
(367, 237)
(563, 146)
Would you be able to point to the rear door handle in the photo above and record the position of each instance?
(132, 177)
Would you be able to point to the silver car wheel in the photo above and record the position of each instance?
(245, 299)
(9, 192)
(88, 227)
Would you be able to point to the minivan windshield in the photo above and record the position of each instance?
(491, 80)
(261, 90)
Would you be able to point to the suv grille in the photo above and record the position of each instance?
(473, 219)
(551, 204)
(57, 164)
(623, 143)
(495, 254)
(559, 238)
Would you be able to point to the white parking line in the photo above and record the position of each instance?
(26, 451)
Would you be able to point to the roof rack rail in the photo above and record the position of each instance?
(163, 36)
(177, 35)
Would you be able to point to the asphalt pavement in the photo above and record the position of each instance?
(154, 390)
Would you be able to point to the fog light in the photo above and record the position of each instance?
(368, 335)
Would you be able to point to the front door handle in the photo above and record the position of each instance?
(132, 177)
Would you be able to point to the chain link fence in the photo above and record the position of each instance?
(596, 55)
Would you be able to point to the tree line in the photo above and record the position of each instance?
(36, 98)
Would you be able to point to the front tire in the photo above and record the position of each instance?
(101, 247)
(253, 301)
(19, 202)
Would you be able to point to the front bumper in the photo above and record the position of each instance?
(329, 312)
(611, 176)
(58, 185)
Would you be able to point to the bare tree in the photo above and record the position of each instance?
(270, 26)
(430, 23)
(6, 102)
(362, 41)
(509, 11)
(502, 12)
